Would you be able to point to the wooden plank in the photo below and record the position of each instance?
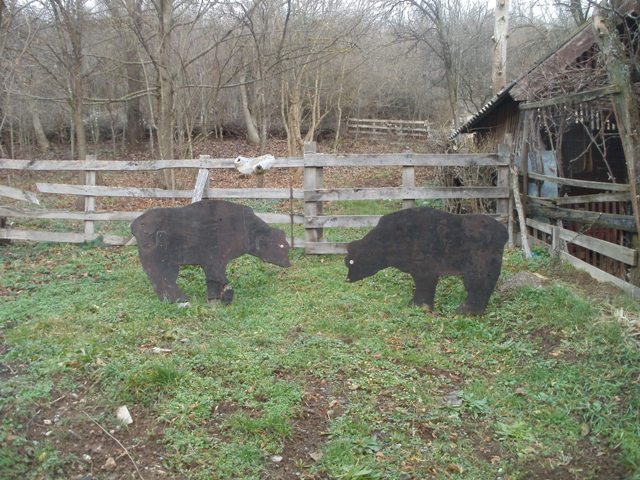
(90, 201)
(542, 201)
(600, 275)
(404, 159)
(281, 218)
(381, 132)
(67, 214)
(130, 166)
(542, 226)
(595, 272)
(314, 160)
(45, 214)
(408, 181)
(378, 120)
(342, 221)
(255, 193)
(399, 193)
(104, 191)
(72, 237)
(202, 181)
(596, 198)
(326, 248)
(313, 179)
(17, 194)
(504, 179)
(611, 250)
(617, 187)
(625, 223)
(390, 127)
(572, 98)
(59, 237)
(297, 242)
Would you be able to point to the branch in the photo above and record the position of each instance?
(118, 442)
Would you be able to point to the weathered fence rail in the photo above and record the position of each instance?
(313, 194)
(386, 127)
(608, 258)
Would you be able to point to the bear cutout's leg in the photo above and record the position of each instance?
(163, 276)
(217, 284)
(425, 290)
(479, 285)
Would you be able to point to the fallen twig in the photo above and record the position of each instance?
(118, 442)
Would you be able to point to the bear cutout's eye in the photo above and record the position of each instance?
(281, 246)
(351, 262)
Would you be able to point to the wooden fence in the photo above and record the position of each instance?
(567, 239)
(382, 127)
(313, 195)
(591, 232)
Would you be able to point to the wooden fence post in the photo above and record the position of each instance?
(504, 181)
(408, 181)
(90, 201)
(504, 152)
(555, 242)
(201, 182)
(313, 177)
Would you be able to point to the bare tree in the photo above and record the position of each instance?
(448, 29)
(17, 30)
(265, 25)
(322, 36)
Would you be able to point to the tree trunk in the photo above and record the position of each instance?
(135, 83)
(499, 66)
(78, 127)
(41, 138)
(619, 67)
(292, 99)
(253, 137)
(80, 140)
(165, 108)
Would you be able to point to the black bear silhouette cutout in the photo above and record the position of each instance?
(209, 233)
(427, 243)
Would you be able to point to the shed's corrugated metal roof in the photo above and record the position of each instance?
(488, 107)
(497, 100)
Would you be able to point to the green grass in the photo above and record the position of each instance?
(544, 385)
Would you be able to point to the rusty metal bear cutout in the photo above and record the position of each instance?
(209, 233)
(427, 243)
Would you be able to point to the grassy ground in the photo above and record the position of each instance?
(306, 376)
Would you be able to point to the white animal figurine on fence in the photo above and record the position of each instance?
(249, 165)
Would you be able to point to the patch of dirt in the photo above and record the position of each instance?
(547, 340)
(513, 282)
(101, 448)
(450, 377)
(584, 461)
(304, 447)
(486, 447)
(320, 404)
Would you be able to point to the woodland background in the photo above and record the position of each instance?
(168, 73)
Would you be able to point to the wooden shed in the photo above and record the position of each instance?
(572, 121)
